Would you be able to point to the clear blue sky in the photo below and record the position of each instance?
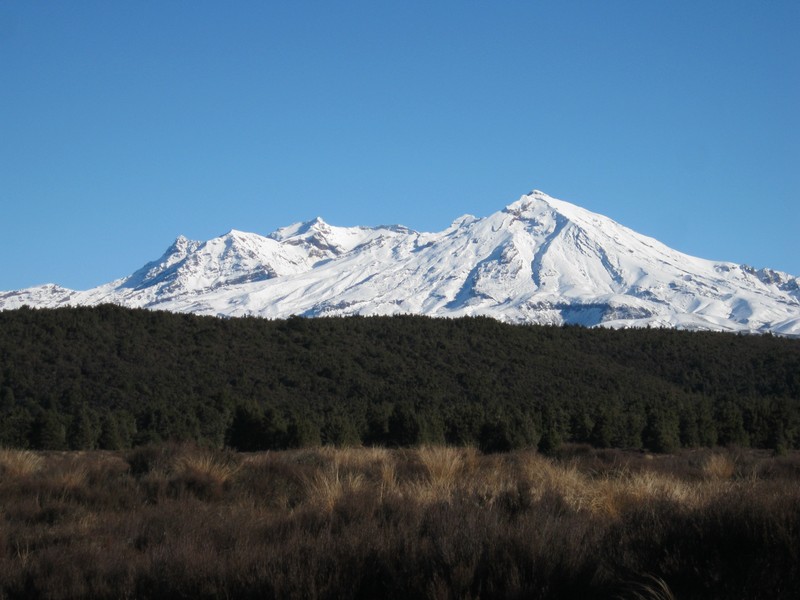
(125, 124)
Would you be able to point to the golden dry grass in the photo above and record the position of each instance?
(206, 464)
(719, 467)
(652, 588)
(427, 522)
(443, 471)
(442, 463)
(19, 463)
(330, 484)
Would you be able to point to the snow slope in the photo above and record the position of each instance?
(539, 260)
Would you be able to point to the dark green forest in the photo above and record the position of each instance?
(112, 378)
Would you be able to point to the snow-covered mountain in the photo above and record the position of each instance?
(539, 260)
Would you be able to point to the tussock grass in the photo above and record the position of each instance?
(431, 522)
(19, 463)
(206, 465)
(329, 485)
(651, 588)
(719, 467)
(443, 464)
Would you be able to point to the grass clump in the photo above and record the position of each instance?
(19, 463)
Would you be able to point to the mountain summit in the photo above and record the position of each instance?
(539, 260)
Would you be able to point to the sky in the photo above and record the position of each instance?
(126, 124)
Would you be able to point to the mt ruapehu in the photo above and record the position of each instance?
(539, 260)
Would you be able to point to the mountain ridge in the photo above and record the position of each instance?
(538, 260)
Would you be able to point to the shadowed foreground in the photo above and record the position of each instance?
(179, 521)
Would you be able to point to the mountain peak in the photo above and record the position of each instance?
(534, 200)
(235, 233)
(181, 243)
(300, 229)
(463, 220)
(179, 249)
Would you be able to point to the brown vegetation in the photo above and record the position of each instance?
(433, 522)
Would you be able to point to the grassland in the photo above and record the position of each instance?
(179, 521)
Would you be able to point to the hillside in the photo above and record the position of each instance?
(115, 377)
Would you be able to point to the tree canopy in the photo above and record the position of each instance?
(111, 377)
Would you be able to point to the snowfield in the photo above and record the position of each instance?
(539, 260)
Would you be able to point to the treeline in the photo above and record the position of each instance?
(112, 378)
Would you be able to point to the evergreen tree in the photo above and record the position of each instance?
(110, 436)
(7, 400)
(662, 433)
(339, 430)
(302, 432)
(508, 431)
(255, 428)
(16, 428)
(247, 432)
(403, 427)
(730, 425)
(84, 430)
(48, 432)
